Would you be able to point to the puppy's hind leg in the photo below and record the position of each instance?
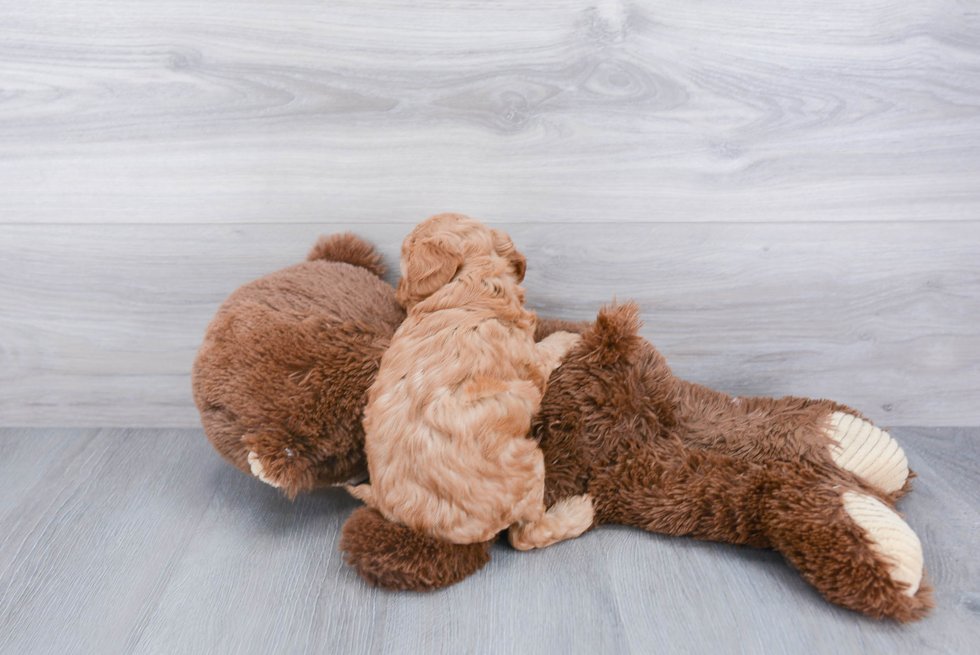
(566, 519)
(362, 492)
(535, 527)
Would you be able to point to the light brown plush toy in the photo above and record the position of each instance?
(281, 381)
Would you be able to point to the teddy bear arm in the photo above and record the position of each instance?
(301, 462)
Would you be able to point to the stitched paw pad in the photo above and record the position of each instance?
(891, 538)
(867, 451)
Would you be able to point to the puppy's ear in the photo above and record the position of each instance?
(505, 248)
(426, 266)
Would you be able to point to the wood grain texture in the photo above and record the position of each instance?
(101, 323)
(144, 541)
(236, 111)
(90, 545)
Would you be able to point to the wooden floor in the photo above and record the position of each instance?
(145, 541)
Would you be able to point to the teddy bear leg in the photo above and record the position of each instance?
(791, 429)
(890, 537)
(566, 519)
(854, 549)
(867, 451)
(392, 556)
(669, 488)
(858, 552)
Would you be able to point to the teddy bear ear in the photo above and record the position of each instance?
(427, 266)
(505, 248)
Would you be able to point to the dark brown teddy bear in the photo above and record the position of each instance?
(281, 381)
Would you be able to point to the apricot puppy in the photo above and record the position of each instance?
(448, 415)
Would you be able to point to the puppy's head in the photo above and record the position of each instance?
(440, 246)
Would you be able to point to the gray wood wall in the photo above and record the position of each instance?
(790, 190)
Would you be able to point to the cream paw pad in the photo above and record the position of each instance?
(867, 451)
(890, 536)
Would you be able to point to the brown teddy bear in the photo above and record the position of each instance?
(281, 382)
(280, 379)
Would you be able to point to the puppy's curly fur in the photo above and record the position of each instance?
(448, 415)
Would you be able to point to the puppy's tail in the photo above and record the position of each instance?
(362, 492)
(349, 249)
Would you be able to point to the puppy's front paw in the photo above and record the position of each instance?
(562, 343)
(569, 341)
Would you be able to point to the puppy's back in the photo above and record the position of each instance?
(447, 420)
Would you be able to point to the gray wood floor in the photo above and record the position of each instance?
(144, 541)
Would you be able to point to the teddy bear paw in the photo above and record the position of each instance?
(255, 464)
(868, 452)
(891, 538)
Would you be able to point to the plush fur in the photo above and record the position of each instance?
(448, 415)
(654, 451)
(286, 362)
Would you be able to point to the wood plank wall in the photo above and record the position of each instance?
(790, 190)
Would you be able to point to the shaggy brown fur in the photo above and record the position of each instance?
(448, 415)
(286, 363)
(349, 249)
(407, 559)
(656, 452)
